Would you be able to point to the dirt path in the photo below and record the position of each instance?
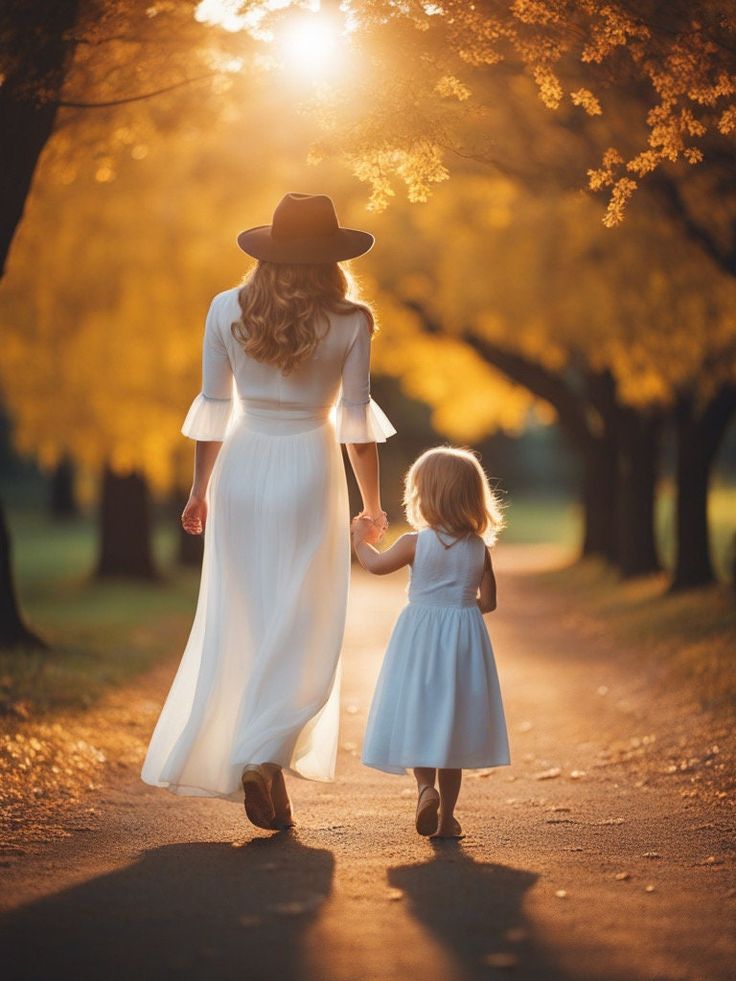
(604, 851)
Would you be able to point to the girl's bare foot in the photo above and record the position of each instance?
(283, 817)
(448, 828)
(428, 805)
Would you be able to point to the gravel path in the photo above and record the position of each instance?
(605, 850)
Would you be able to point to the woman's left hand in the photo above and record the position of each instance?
(378, 523)
(194, 515)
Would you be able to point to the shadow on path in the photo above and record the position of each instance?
(204, 910)
(475, 911)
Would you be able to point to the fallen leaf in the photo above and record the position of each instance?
(501, 959)
(298, 907)
(550, 774)
(250, 920)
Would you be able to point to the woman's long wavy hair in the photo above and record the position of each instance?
(284, 310)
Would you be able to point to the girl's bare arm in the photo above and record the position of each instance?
(487, 597)
(400, 554)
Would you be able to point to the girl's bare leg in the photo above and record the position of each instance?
(449, 781)
(428, 801)
(425, 776)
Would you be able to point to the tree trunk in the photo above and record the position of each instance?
(698, 437)
(62, 501)
(29, 101)
(639, 446)
(599, 498)
(125, 528)
(13, 631)
(693, 565)
(28, 95)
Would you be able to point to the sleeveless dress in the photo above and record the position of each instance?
(259, 677)
(438, 701)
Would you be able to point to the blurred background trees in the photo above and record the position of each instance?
(156, 131)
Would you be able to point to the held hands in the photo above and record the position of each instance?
(194, 515)
(368, 528)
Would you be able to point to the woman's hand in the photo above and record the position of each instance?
(362, 529)
(379, 519)
(194, 515)
(370, 528)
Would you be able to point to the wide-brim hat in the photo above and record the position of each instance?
(304, 230)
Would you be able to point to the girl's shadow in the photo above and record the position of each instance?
(476, 911)
(205, 910)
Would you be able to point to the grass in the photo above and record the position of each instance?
(534, 520)
(690, 637)
(100, 633)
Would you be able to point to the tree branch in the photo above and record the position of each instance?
(63, 104)
(539, 380)
(671, 196)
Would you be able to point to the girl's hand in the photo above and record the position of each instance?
(194, 515)
(379, 520)
(363, 529)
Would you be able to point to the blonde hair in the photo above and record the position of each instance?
(448, 488)
(284, 310)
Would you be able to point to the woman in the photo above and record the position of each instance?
(257, 690)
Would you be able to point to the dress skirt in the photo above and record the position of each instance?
(259, 678)
(437, 701)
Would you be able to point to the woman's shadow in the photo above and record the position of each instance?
(206, 910)
(475, 911)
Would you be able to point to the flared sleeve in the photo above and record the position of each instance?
(359, 419)
(212, 410)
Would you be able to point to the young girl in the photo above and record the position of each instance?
(437, 706)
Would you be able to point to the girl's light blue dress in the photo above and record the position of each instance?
(438, 701)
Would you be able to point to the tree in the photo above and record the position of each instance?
(61, 57)
(648, 84)
(593, 327)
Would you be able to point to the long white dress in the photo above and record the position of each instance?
(438, 701)
(259, 679)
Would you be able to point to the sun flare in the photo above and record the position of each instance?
(310, 45)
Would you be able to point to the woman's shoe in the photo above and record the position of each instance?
(257, 796)
(283, 817)
(428, 805)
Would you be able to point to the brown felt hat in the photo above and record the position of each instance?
(304, 230)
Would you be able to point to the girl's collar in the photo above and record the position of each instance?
(440, 530)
